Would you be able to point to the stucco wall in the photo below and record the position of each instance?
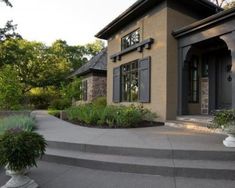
(175, 19)
(157, 24)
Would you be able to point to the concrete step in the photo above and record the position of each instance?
(144, 152)
(144, 165)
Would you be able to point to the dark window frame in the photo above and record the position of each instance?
(131, 38)
(129, 92)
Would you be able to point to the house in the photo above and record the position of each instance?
(94, 79)
(173, 57)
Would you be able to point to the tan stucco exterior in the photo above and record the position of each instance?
(157, 24)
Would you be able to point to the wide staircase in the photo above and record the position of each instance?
(164, 162)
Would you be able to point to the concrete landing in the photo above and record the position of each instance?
(163, 137)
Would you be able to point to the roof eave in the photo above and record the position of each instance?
(205, 22)
(103, 34)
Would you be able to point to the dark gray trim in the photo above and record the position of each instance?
(116, 85)
(139, 47)
(230, 40)
(182, 94)
(204, 23)
(144, 80)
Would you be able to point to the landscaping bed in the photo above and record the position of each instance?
(143, 124)
(100, 115)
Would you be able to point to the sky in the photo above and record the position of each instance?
(76, 21)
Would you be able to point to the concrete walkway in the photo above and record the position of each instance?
(163, 137)
(51, 175)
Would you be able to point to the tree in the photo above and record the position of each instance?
(36, 64)
(74, 54)
(224, 3)
(9, 31)
(230, 5)
(7, 2)
(10, 89)
(95, 47)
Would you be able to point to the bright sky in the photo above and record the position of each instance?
(76, 21)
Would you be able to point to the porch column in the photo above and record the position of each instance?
(182, 94)
(230, 40)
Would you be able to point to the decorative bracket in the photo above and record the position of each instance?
(146, 44)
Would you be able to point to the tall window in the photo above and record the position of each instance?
(131, 39)
(194, 81)
(129, 82)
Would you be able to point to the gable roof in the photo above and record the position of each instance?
(142, 6)
(98, 63)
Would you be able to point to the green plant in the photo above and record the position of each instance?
(112, 116)
(128, 116)
(100, 101)
(223, 119)
(54, 112)
(19, 149)
(23, 122)
(10, 89)
(60, 104)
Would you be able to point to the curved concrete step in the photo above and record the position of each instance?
(144, 165)
(145, 152)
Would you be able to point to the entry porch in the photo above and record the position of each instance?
(206, 68)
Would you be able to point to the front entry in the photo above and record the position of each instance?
(208, 79)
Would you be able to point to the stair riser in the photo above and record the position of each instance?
(141, 152)
(142, 169)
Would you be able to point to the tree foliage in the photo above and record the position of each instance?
(9, 30)
(7, 2)
(39, 66)
(10, 89)
(224, 3)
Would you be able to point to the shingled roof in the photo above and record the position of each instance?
(98, 63)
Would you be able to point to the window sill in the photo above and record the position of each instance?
(146, 44)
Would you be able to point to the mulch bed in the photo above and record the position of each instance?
(143, 124)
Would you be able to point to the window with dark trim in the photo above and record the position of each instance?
(131, 39)
(194, 80)
(129, 82)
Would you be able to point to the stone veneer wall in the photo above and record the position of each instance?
(205, 96)
(96, 87)
(99, 86)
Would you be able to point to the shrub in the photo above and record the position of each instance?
(60, 104)
(39, 101)
(112, 116)
(23, 122)
(128, 116)
(223, 118)
(54, 112)
(100, 101)
(19, 149)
